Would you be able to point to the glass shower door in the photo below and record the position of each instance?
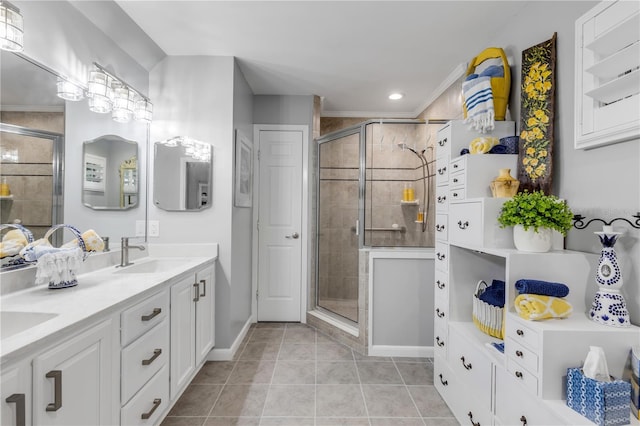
(338, 189)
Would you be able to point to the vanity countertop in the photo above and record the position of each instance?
(99, 293)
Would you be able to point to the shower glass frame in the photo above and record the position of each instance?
(360, 130)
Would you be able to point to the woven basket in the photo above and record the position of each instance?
(72, 279)
(488, 318)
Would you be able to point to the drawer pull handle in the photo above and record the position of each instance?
(444, 382)
(519, 374)
(455, 180)
(519, 354)
(439, 313)
(442, 142)
(442, 199)
(152, 315)
(455, 194)
(441, 285)
(442, 170)
(523, 419)
(156, 404)
(440, 256)
(18, 399)
(519, 332)
(56, 375)
(156, 354)
(463, 225)
(455, 166)
(439, 228)
(466, 365)
(204, 288)
(197, 287)
(439, 342)
(470, 414)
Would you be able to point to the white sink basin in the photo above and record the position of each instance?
(151, 266)
(16, 322)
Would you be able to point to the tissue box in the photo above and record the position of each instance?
(604, 403)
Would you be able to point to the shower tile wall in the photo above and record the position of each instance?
(26, 164)
(388, 169)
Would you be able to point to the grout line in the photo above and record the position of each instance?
(275, 365)
(364, 400)
(406, 388)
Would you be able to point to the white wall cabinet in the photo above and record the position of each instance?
(16, 395)
(192, 326)
(73, 382)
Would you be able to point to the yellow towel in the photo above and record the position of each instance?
(12, 242)
(92, 241)
(536, 307)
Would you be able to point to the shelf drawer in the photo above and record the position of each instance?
(457, 194)
(442, 256)
(442, 199)
(473, 222)
(441, 289)
(472, 367)
(152, 400)
(521, 355)
(521, 375)
(458, 179)
(140, 318)
(521, 333)
(440, 340)
(442, 170)
(152, 349)
(442, 227)
(465, 223)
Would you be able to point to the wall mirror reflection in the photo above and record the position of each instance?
(110, 173)
(182, 175)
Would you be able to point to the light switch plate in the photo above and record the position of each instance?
(140, 228)
(154, 228)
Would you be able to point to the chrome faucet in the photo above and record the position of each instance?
(124, 251)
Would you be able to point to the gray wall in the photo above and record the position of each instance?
(275, 109)
(602, 182)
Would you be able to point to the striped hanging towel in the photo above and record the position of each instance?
(478, 99)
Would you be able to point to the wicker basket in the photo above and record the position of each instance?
(489, 319)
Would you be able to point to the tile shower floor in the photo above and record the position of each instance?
(290, 374)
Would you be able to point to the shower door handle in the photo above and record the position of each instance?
(295, 236)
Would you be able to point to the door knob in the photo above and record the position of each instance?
(295, 236)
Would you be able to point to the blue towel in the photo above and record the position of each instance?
(494, 294)
(498, 149)
(544, 288)
(493, 71)
(498, 346)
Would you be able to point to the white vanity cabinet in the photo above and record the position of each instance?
(192, 326)
(16, 395)
(74, 381)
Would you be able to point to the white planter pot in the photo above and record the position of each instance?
(530, 240)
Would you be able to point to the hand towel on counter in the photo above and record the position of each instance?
(92, 241)
(58, 266)
(537, 307)
(478, 98)
(545, 288)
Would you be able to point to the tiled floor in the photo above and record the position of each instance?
(289, 374)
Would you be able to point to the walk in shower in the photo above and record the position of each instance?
(375, 189)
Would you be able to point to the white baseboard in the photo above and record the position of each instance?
(401, 351)
(228, 353)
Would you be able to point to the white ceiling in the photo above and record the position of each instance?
(350, 53)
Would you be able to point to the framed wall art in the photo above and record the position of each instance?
(243, 185)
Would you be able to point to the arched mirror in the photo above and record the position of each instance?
(110, 173)
(182, 175)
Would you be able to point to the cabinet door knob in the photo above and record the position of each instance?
(156, 404)
(519, 354)
(444, 382)
(519, 332)
(463, 225)
(18, 399)
(523, 419)
(153, 314)
(204, 288)
(519, 374)
(156, 354)
(56, 375)
(197, 287)
(455, 180)
(439, 342)
(466, 365)
(470, 414)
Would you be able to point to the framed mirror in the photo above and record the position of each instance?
(182, 175)
(110, 173)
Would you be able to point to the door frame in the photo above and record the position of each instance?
(304, 231)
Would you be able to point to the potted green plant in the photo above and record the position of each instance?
(533, 216)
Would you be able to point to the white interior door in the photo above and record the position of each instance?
(280, 225)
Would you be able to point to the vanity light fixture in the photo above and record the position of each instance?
(123, 101)
(11, 31)
(143, 110)
(396, 96)
(68, 90)
(195, 149)
(99, 93)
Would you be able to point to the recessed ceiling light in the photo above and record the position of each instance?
(396, 96)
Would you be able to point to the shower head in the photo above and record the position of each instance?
(405, 146)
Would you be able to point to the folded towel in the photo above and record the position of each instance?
(494, 294)
(92, 241)
(35, 252)
(478, 98)
(12, 242)
(536, 307)
(545, 288)
(498, 149)
(493, 71)
(58, 266)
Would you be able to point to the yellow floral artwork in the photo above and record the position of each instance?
(537, 114)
